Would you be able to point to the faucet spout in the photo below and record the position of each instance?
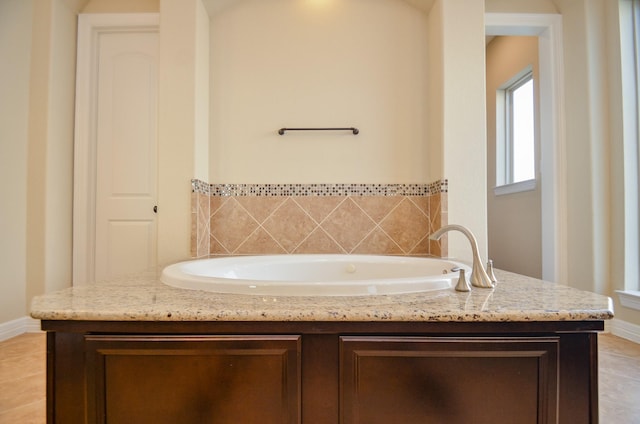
(479, 276)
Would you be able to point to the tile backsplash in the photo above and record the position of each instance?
(248, 219)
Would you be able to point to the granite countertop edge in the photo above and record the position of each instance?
(143, 297)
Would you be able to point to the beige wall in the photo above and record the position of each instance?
(520, 6)
(181, 111)
(594, 156)
(587, 145)
(50, 146)
(514, 220)
(464, 128)
(121, 6)
(202, 81)
(37, 122)
(319, 64)
(310, 64)
(435, 88)
(15, 47)
(624, 271)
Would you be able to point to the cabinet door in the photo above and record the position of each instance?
(208, 379)
(448, 380)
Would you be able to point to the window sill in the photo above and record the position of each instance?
(629, 298)
(518, 187)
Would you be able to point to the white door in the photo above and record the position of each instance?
(121, 150)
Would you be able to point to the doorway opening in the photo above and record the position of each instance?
(548, 30)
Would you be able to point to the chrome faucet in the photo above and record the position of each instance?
(479, 276)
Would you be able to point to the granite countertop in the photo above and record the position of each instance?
(143, 297)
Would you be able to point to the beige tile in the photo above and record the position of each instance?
(377, 207)
(204, 241)
(319, 242)
(216, 202)
(435, 212)
(443, 244)
(23, 379)
(619, 346)
(216, 248)
(289, 225)
(31, 413)
(231, 224)
(318, 207)
(406, 225)
(204, 207)
(194, 202)
(24, 343)
(321, 209)
(422, 248)
(378, 243)
(23, 391)
(619, 380)
(258, 243)
(422, 202)
(260, 207)
(13, 368)
(194, 235)
(348, 225)
(444, 202)
(234, 218)
(436, 247)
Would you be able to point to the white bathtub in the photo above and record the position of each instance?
(314, 275)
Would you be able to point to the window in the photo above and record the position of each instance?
(520, 124)
(630, 56)
(516, 134)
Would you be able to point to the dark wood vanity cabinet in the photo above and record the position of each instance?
(192, 379)
(448, 380)
(321, 373)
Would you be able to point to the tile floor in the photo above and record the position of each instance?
(619, 380)
(22, 380)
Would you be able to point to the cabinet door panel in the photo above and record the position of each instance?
(459, 380)
(212, 379)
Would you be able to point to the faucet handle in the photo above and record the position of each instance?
(490, 273)
(463, 284)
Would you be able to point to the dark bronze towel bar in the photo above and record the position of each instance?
(355, 131)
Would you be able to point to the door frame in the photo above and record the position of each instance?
(553, 184)
(90, 28)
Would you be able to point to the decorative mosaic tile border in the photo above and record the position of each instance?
(223, 190)
(200, 187)
(390, 219)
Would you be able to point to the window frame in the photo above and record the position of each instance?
(505, 183)
(630, 57)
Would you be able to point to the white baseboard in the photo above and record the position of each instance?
(624, 329)
(18, 326)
